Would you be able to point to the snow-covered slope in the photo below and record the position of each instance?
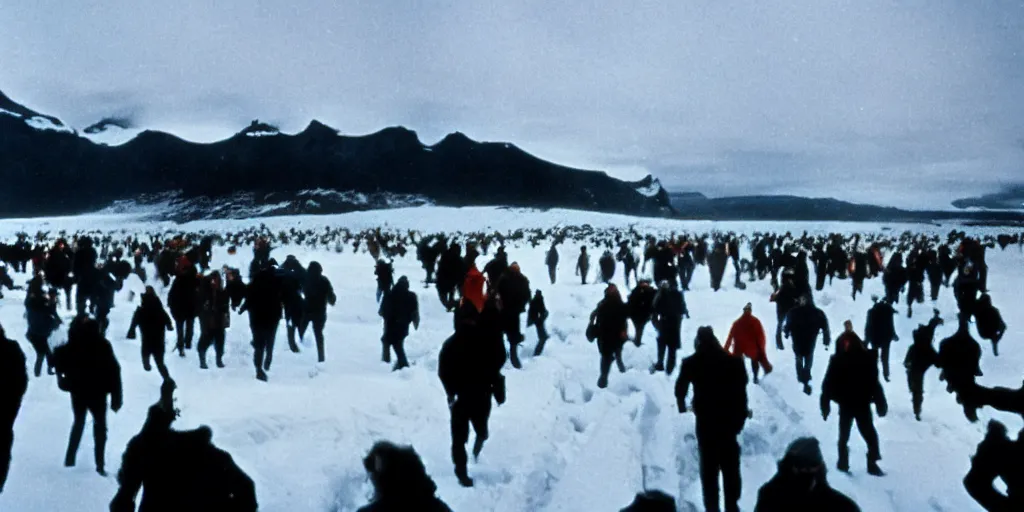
(558, 444)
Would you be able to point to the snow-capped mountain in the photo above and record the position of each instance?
(49, 168)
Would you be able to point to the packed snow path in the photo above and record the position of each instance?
(558, 444)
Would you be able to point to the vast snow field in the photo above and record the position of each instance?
(558, 444)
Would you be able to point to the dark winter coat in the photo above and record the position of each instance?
(851, 379)
(669, 309)
(514, 289)
(989, 321)
(719, 387)
(151, 318)
(86, 365)
(537, 312)
(318, 292)
(784, 493)
(41, 315)
(13, 380)
(183, 298)
(84, 264)
(399, 309)
(470, 361)
(879, 328)
(960, 357)
(921, 355)
(181, 471)
(803, 323)
(264, 300)
(214, 306)
(610, 320)
(641, 304)
(495, 269)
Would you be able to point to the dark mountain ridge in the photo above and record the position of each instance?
(58, 171)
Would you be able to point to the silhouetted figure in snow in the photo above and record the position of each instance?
(179, 470)
(720, 405)
(400, 481)
(319, 293)
(880, 331)
(13, 384)
(997, 457)
(151, 318)
(399, 309)
(669, 308)
(803, 323)
(800, 483)
(89, 371)
(608, 327)
(536, 316)
(920, 357)
(851, 381)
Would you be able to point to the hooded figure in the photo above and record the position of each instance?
(214, 317)
(641, 307)
(151, 317)
(179, 470)
(880, 332)
(960, 361)
(319, 293)
(720, 405)
(552, 263)
(851, 381)
(920, 357)
(997, 457)
(608, 322)
(669, 308)
(803, 323)
(89, 371)
(183, 301)
(469, 367)
(398, 309)
(41, 313)
(514, 292)
(989, 322)
(400, 481)
(748, 335)
(264, 301)
(800, 483)
(13, 384)
(536, 316)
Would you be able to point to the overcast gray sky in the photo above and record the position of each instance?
(911, 103)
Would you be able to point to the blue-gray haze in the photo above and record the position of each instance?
(912, 103)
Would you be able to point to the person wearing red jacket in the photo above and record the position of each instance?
(746, 337)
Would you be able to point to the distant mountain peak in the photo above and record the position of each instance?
(107, 123)
(258, 129)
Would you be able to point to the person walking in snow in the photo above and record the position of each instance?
(469, 366)
(851, 381)
(803, 323)
(800, 483)
(513, 290)
(960, 361)
(42, 317)
(583, 265)
(880, 331)
(537, 315)
(154, 321)
(990, 322)
(89, 371)
(318, 294)
(183, 302)
(669, 308)
(551, 260)
(214, 316)
(641, 307)
(746, 337)
(399, 309)
(920, 357)
(608, 327)
(13, 384)
(400, 481)
(264, 301)
(720, 405)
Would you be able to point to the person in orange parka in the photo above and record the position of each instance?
(473, 288)
(748, 335)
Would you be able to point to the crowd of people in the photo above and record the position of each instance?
(487, 307)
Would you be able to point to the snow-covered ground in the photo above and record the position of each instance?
(558, 444)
